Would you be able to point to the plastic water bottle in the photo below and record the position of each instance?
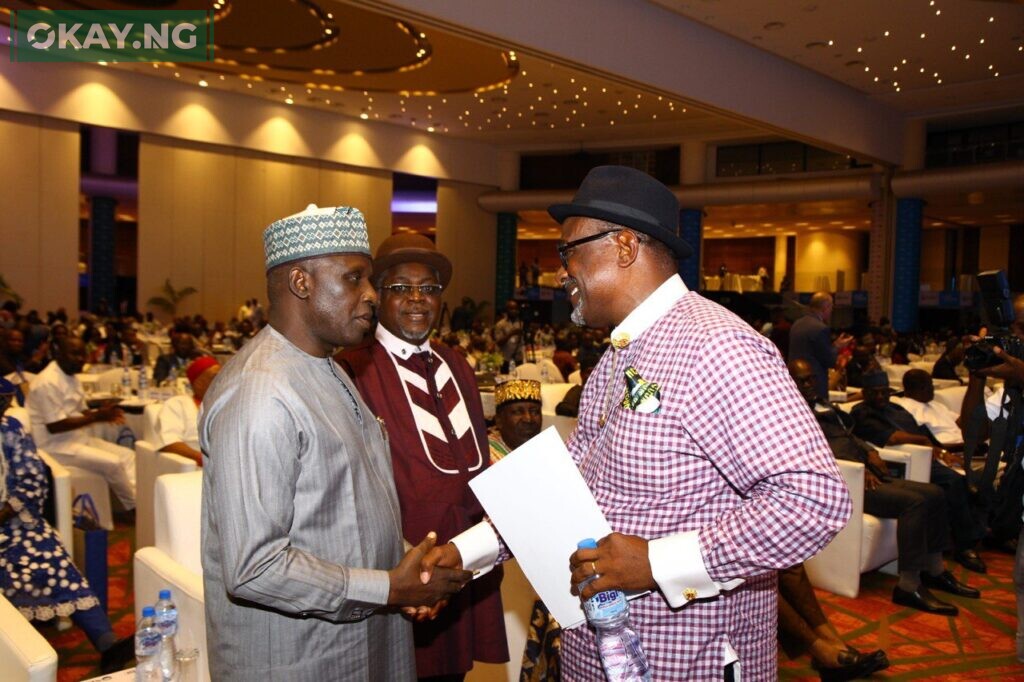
(167, 625)
(126, 382)
(545, 377)
(143, 383)
(618, 645)
(147, 648)
(512, 371)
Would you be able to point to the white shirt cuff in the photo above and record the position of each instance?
(678, 567)
(479, 548)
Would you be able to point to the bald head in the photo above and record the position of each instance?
(821, 305)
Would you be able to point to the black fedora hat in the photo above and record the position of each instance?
(631, 198)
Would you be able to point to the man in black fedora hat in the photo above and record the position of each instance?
(694, 440)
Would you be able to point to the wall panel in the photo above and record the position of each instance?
(39, 187)
(468, 236)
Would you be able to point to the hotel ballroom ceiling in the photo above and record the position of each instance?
(942, 59)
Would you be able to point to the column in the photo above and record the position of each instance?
(906, 283)
(102, 276)
(691, 229)
(880, 249)
(505, 266)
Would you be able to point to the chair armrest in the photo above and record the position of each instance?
(917, 460)
(836, 567)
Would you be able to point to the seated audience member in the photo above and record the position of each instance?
(173, 364)
(863, 360)
(126, 341)
(918, 400)
(945, 366)
(804, 628)
(562, 357)
(517, 419)
(177, 422)
(15, 360)
(60, 421)
(881, 421)
(36, 573)
(922, 529)
(517, 416)
(570, 405)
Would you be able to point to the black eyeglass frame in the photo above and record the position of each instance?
(425, 290)
(564, 249)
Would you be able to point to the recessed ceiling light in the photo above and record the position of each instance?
(860, 49)
(886, 34)
(922, 35)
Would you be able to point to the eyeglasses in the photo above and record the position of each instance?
(425, 290)
(566, 248)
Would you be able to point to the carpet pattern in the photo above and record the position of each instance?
(979, 644)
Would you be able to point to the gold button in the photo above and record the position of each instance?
(690, 594)
(620, 340)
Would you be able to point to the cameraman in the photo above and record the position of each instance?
(1009, 502)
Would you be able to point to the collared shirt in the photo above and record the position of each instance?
(939, 419)
(55, 396)
(729, 478)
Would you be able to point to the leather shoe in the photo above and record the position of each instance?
(970, 560)
(852, 666)
(923, 600)
(118, 656)
(947, 583)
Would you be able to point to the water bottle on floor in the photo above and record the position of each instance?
(167, 624)
(618, 645)
(147, 648)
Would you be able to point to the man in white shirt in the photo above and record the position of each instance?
(178, 420)
(918, 400)
(60, 421)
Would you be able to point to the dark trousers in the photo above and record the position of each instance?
(96, 625)
(920, 513)
(799, 611)
(965, 526)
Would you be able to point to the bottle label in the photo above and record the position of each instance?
(167, 622)
(605, 605)
(147, 642)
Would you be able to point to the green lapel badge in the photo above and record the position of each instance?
(641, 395)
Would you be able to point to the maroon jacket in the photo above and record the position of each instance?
(472, 627)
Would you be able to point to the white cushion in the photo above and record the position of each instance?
(25, 655)
(177, 502)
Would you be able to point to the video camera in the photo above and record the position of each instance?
(997, 309)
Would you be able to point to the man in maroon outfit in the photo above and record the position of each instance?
(426, 396)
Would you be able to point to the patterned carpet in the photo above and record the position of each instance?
(976, 645)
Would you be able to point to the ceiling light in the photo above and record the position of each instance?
(981, 42)
(922, 35)
(364, 116)
(991, 19)
(860, 49)
(886, 34)
(938, 12)
(876, 79)
(953, 49)
(903, 62)
(922, 69)
(430, 129)
(289, 100)
(830, 43)
(967, 56)
(203, 83)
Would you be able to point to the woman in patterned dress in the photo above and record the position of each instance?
(36, 573)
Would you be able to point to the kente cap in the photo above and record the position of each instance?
(411, 248)
(6, 387)
(631, 198)
(198, 366)
(516, 390)
(316, 232)
(874, 380)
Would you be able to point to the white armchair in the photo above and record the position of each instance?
(25, 655)
(174, 562)
(867, 542)
(150, 464)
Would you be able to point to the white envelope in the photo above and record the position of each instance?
(538, 501)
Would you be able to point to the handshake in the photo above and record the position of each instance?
(425, 578)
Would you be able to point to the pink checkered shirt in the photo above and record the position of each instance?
(735, 454)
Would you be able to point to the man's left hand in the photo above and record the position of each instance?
(1010, 369)
(620, 562)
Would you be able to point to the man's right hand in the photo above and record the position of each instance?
(410, 587)
(843, 341)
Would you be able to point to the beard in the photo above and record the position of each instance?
(577, 316)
